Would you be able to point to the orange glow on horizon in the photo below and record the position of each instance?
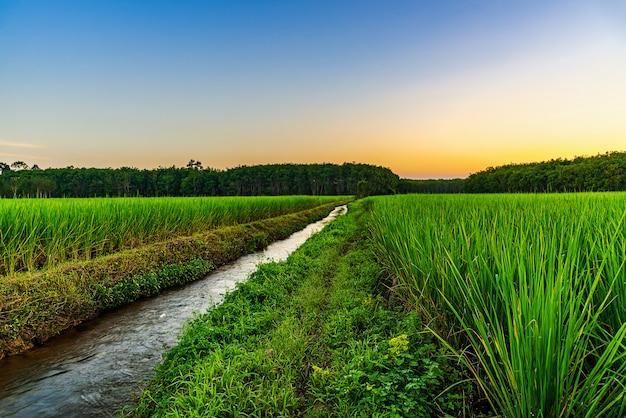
(494, 90)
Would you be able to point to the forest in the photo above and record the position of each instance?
(599, 173)
(20, 180)
(603, 172)
(431, 186)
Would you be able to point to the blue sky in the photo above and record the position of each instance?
(429, 89)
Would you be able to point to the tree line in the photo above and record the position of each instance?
(431, 186)
(19, 180)
(603, 172)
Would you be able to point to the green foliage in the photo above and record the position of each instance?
(148, 284)
(39, 233)
(534, 284)
(305, 338)
(431, 186)
(603, 172)
(403, 376)
(361, 189)
(36, 305)
(221, 366)
(193, 180)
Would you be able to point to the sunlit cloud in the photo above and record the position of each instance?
(17, 145)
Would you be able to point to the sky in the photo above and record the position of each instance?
(430, 89)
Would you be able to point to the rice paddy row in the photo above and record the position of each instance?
(528, 290)
(37, 304)
(36, 233)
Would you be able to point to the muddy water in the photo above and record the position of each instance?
(97, 368)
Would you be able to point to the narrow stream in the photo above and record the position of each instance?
(97, 368)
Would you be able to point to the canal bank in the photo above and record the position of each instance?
(320, 335)
(97, 367)
(38, 305)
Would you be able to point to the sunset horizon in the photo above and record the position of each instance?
(427, 90)
(316, 208)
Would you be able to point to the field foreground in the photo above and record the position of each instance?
(318, 335)
(418, 306)
(528, 290)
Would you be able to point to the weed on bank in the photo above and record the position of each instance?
(318, 335)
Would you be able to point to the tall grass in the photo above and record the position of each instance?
(41, 232)
(528, 290)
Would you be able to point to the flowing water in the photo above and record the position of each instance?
(97, 368)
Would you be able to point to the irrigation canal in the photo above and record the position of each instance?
(96, 369)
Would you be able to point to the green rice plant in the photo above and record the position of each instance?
(528, 290)
(37, 305)
(41, 232)
(312, 337)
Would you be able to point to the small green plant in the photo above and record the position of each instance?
(399, 344)
(403, 376)
(149, 284)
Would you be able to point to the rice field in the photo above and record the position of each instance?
(36, 233)
(529, 291)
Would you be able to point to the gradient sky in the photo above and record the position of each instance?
(430, 89)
